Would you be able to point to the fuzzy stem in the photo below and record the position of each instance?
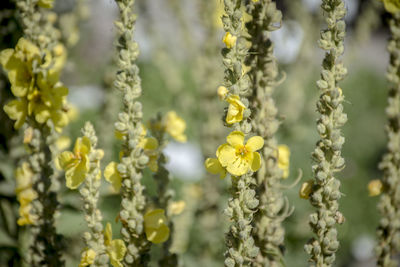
(90, 193)
(327, 155)
(130, 124)
(389, 206)
(264, 72)
(241, 206)
(47, 245)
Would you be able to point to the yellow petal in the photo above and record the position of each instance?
(87, 258)
(375, 188)
(154, 218)
(63, 142)
(82, 145)
(255, 143)
(153, 163)
(77, 174)
(150, 143)
(159, 235)
(67, 160)
(176, 207)
(112, 175)
(175, 126)
(235, 138)
(226, 154)
(5, 56)
(16, 110)
(256, 164)
(213, 166)
(239, 167)
(118, 249)
(108, 234)
(392, 6)
(306, 189)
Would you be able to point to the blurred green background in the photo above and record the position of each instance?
(178, 50)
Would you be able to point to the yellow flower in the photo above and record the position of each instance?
(238, 158)
(25, 194)
(306, 189)
(17, 110)
(229, 40)
(115, 248)
(113, 176)
(18, 64)
(150, 146)
(88, 257)
(283, 160)
(26, 217)
(176, 207)
(175, 126)
(392, 6)
(375, 188)
(235, 109)
(76, 163)
(213, 166)
(63, 142)
(155, 225)
(222, 92)
(23, 176)
(46, 3)
(46, 102)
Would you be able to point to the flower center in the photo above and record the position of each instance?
(242, 151)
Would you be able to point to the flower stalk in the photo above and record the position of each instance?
(90, 193)
(129, 125)
(242, 205)
(273, 208)
(327, 155)
(388, 232)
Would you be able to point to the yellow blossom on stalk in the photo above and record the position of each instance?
(306, 189)
(26, 217)
(28, 135)
(375, 188)
(46, 3)
(392, 6)
(17, 110)
(213, 166)
(112, 175)
(229, 40)
(176, 207)
(63, 142)
(88, 257)
(235, 109)
(115, 249)
(155, 225)
(18, 65)
(238, 158)
(25, 194)
(222, 92)
(150, 146)
(76, 163)
(284, 160)
(175, 126)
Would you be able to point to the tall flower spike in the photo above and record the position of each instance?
(327, 155)
(388, 245)
(83, 166)
(241, 248)
(33, 69)
(273, 208)
(130, 127)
